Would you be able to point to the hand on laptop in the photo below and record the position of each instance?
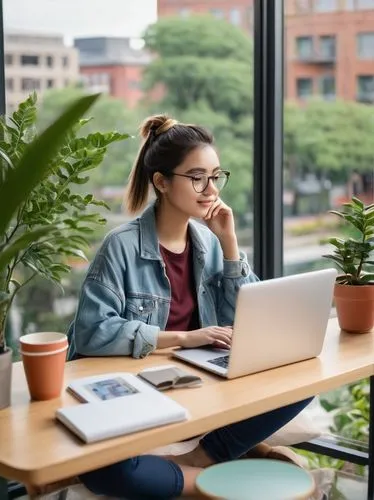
(216, 336)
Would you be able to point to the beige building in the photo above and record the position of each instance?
(37, 62)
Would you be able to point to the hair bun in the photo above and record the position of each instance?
(157, 124)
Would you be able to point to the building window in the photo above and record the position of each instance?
(327, 46)
(50, 84)
(235, 17)
(365, 45)
(304, 47)
(364, 4)
(303, 6)
(365, 88)
(184, 12)
(65, 61)
(325, 5)
(134, 85)
(30, 84)
(49, 61)
(327, 87)
(8, 59)
(9, 84)
(304, 88)
(29, 60)
(217, 13)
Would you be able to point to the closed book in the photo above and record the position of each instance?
(120, 404)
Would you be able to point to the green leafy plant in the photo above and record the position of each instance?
(44, 216)
(353, 255)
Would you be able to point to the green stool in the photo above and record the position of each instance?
(255, 479)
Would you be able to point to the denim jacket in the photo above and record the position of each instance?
(125, 298)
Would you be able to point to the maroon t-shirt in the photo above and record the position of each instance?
(183, 315)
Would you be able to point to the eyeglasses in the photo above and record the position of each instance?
(201, 181)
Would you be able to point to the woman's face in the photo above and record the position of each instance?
(180, 192)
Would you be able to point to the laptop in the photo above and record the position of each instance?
(277, 322)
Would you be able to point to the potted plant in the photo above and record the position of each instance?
(354, 288)
(44, 217)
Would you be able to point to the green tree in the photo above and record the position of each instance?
(334, 137)
(108, 114)
(205, 68)
(201, 59)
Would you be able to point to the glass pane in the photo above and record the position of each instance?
(63, 49)
(304, 47)
(327, 47)
(304, 87)
(365, 4)
(325, 5)
(365, 45)
(328, 157)
(327, 87)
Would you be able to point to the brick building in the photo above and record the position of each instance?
(330, 49)
(238, 12)
(329, 44)
(113, 66)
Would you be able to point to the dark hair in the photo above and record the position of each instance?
(166, 144)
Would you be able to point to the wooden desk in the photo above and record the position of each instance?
(35, 450)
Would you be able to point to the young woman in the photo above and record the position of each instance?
(166, 280)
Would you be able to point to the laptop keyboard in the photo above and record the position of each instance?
(222, 361)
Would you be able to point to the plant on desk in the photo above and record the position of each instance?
(354, 288)
(43, 219)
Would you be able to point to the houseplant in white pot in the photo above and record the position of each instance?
(354, 288)
(43, 219)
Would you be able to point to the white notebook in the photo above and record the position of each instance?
(120, 404)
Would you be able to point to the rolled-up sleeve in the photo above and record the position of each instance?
(235, 274)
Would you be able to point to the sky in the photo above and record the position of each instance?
(73, 18)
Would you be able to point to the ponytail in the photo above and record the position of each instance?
(166, 145)
(138, 187)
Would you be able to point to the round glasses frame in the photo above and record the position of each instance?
(201, 181)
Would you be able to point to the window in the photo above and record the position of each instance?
(50, 84)
(29, 60)
(365, 45)
(327, 47)
(304, 47)
(350, 5)
(364, 4)
(65, 61)
(30, 84)
(218, 13)
(365, 87)
(9, 84)
(327, 87)
(49, 61)
(303, 6)
(134, 85)
(325, 5)
(235, 17)
(8, 59)
(184, 12)
(304, 87)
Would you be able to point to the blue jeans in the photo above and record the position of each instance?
(149, 477)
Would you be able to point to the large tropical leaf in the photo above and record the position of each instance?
(36, 162)
(10, 251)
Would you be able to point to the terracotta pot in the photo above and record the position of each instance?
(43, 356)
(5, 378)
(355, 307)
